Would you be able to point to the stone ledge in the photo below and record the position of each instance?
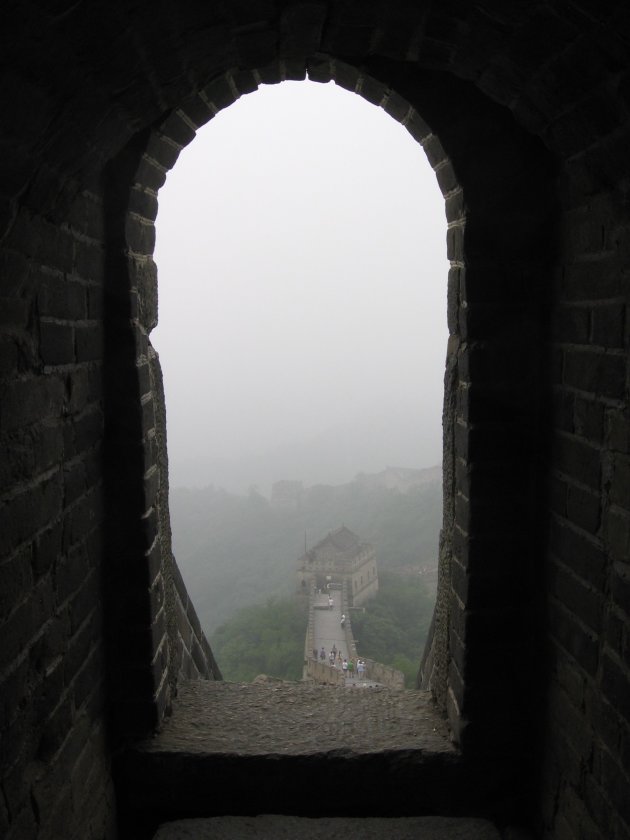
(298, 749)
(283, 718)
(271, 827)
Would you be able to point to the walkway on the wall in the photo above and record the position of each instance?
(328, 633)
(325, 631)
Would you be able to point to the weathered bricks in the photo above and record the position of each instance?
(520, 326)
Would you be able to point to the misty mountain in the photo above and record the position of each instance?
(379, 436)
(235, 551)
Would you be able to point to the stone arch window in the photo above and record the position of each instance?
(497, 183)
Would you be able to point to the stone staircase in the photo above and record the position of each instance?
(366, 756)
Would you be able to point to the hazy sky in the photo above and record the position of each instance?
(302, 286)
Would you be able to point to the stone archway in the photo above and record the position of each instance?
(497, 183)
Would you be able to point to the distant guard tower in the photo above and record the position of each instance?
(340, 556)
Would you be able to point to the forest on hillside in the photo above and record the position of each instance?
(394, 627)
(236, 551)
(269, 638)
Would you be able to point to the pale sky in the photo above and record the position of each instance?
(302, 291)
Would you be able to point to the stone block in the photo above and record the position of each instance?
(577, 460)
(89, 679)
(589, 420)
(617, 530)
(620, 487)
(140, 235)
(557, 496)
(150, 174)
(574, 638)
(183, 625)
(571, 324)
(24, 825)
(28, 512)
(29, 401)
(55, 730)
(89, 343)
(608, 326)
(592, 280)
(16, 579)
(495, 362)
(562, 407)
(373, 91)
(580, 552)
(193, 619)
(83, 518)
(584, 508)
(86, 431)
(89, 262)
(178, 582)
(615, 782)
(578, 598)
(74, 481)
(15, 269)
(79, 645)
(620, 588)
(598, 807)
(15, 693)
(24, 621)
(58, 297)
(86, 601)
(618, 428)
(70, 572)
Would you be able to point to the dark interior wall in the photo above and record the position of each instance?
(587, 576)
(524, 112)
(53, 734)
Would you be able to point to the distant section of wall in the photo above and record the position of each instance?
(384, 674)
(323, 673)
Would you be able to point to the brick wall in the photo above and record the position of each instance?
(588, 573)
(52, 677)
(523, 111)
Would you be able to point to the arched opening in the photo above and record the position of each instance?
(498, 207)
(332, 339)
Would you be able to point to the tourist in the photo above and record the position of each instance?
(351, 668)
(360, 669)
(322, 654)
(344, 667)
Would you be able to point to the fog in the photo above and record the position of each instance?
(302, 294)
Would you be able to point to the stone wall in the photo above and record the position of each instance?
(588, 570)
(384, 674)
(52, 528)
(523, 111)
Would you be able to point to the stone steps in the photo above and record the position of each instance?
(272, 827)
(299, 749)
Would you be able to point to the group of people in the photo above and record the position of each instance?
(336, 659)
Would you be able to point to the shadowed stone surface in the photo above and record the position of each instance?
(305, 750)
(523, 112)
(274, 828)
(281, 718)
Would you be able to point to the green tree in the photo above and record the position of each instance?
(262, 639)
(394, 627)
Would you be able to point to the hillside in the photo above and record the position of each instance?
(235, 551)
